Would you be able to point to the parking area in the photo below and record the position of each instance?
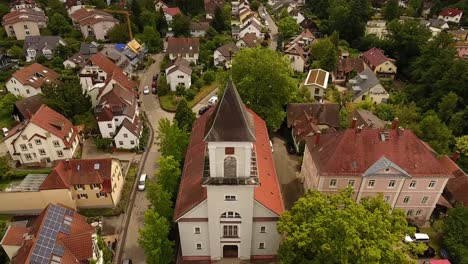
(204, 102)
(288, 172)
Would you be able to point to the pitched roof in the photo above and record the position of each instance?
(317, 77)
(350, 152)
(40, 42)
(179, 64)
(346, 65)
(321, 113)
(183, 45)
(133, 127)
(450, 12)
(24, 15)
(374, 57)
(458, 185)
(368, 119)
(250, 39)
(112, 70)
(364, 81)
(79, 59)
(117, 102)
(230, 123)
(228, 49)
(88, 16)
(29, 106)
(172, 11)
(70, 238)
(210, 5)
(35, 75)
(199, 25)
(79, 171)
(14, 235)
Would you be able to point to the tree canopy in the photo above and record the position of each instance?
(456, 233)
(324, 54)
(59, 25)
(181, 26)
(152, 39)
(184, 115)
(154, 239)
(169, 174)
(172, 140)
(288, 27)
(118, 33)
(160, 199)
(323, 228)
(264, 81)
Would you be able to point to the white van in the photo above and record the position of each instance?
(141, 182)
(213, 100)
(271, 145)
(5, 131)
(418, 237)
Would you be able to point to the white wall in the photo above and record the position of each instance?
(126, 141)
(455, 19)
(242, 153)
(173, 79)
(189, 239)
(17, 88)
(271, 238)
(188, 57)
(197, 33)
(218, 58)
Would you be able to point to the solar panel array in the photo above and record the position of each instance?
(52, 224)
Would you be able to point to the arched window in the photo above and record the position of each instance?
(230, 214)
(230, 167)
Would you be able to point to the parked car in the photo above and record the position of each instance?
(154, 90)
(428, 253)
(127, 261)
(271, 146)
(204, 109)
(146, 90)
(418, 238)
(5, 131)
(155, 77)
(291, 149)
(266, 23)
(213, 100)
(141, 182)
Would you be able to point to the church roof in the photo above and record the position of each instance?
(230, 122)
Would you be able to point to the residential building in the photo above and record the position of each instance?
(317, 82)
(35, 46)
(249, 40)
(179, 73)
(5, 62)
(198, 29)
(44, 138)
(158, 5)
(451, 15)
(394, 162)
(435, 25)
(27, 107)
(29, 80)
(308, 119)
(377, 28)
(229, 198)
(251, 27)
(23, 4)
(383, 66)
(186, 48)
(366, 85)
(345, 68)
(170, 12)
(298, 50)
(115, 54)
(462, 49)
(455, 190)
(24, 22)
(365, 118)
(210, 7)
(223, 55)
(296, 14)
(117, 115)
(80, 58)
(93, 23)
(58, 235)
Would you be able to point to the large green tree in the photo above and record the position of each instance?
(172, 140)
(169, 174)
(59, 25)
(219, 20)
(391, 10)
(455, 237)
(152, 39)
(118, 33)
(288, 27)
(181, 26)
(434, 132)
(160, 199)
(184, 115)
(264, 81)
(323, 228)
(154, 239)
(324, 55)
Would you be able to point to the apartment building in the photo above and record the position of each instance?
(28, 81)
(93, 23)
(24, 22)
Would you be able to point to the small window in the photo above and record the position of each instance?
(132, 142)
(386, 198)
(370, 184)
(79, 187)
(263, 229)
(406, 199)
(120, 143)
(109, 125)
(424, 199)
(418, 212)
(230, 198)
(30, 145)
(23, 147)
(261, 245)
(332, 183)
(431, 184)
(27, 91)
(102, 195)
(412, 184)
(351, 183)
(42, 152)
(82, 196)
(59, 153)
(96, 186)
(391, 184)
(199, 247)
(28, 156)
(125, 135)
(38, 141)
(56, 143)
(197, 230)
(317, 91)
(409, 212)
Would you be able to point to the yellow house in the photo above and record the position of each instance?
(383, 66)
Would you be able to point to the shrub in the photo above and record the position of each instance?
(190, 94)
(163, 87)
(209, 77)
(198, 84)
(103, 143)
(180, 90)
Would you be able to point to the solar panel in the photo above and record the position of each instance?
(58, 250)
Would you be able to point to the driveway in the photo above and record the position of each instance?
(286, 168)
(271, 26)
(203, 102)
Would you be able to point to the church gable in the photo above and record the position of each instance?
(199, 211)
(262, 211)
(385, 167)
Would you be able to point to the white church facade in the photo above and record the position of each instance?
(229, 197)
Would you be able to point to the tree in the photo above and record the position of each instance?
(255, 5)
(288, 27)
(161, 23)
(184, 115)
(385, 111)
(160, 200)
(462, 144)
(63, 51)
(154, 239)
(16, 52)
(172, 140)
(264, 81)
(434, 132)
(56, 7)
(152, 39)
(447, 106)
(391, 10)
(324, 228)
(458, 123)
(455, 233)
(99, 4)
(149, 19)
(324, 54)
(169, 174)
(59, 25)
(320, 8)
(219, 21)
(181, 26)
(118, 33)
(6, 104)
(136, 12)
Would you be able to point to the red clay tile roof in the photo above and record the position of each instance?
(450, 12)
(102, 62)
(172, 11)
(250, 39)
(183, 45)
(87, 16)
(345, 66)
(23, 15)
(35, 75)
(323, 114)
(112, 70)
(374, 57)
(14, 236)
(191, 193)
(78, 171)
(457, 186)
(347, 152)
(134, 128)
(199, 25)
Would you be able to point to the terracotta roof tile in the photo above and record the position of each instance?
(29, 106)
(374, 57)
(23, 15)
(250, 39)
(172, 11)
(323, 114)
(35, 75)
(457, 186)
(228, 49)
(14, 235)
(368, 119)
(183, 45)
(450, 12)
(210, 5)
(87, 16)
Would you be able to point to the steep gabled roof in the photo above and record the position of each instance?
(317, 77)
(450, 12)
(29, 106)
(24, 15)
(35, 75)
(230, 121)
(250, 39)
(375, 57)
(172, 11)
(183, 45)
(228, 49)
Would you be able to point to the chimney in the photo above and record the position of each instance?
(67, 164)
(353, 123)
(400, 131)
(455, 156)
(395, 123)
(317, 138)
(359, 129)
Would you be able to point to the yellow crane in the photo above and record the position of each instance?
(127, 16)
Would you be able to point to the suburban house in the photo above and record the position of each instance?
(366, 85)
(365, 119)
(23, 4)
(44, 138)
(308, 119)
(80, 58)
(158, 5)
(170, 12)
(35, 46)
(394, 162)
(377, 28)
(198, 29)
(93, 23)
(296, 14)
(309, 24)
(451, 15)
(117, 115)
(345, 68)
(435, 25)
(383, 66)
(210, 7)
(455, 190)
(58, 235)
(186, 48)
(27, 107)
(229, 197)
(5, 62)
(298, 50)
(29, 80)
(24, 22)
(317, 82)
(179, 73)
(249, 40)
(251, 27)
(115, 54)
(223, 55)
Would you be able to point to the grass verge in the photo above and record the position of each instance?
(435, 239)
(167, 102)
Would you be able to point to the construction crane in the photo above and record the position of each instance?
(127, 16)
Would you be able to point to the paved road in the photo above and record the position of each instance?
(203, 102)
(150, 104)
(271, 26)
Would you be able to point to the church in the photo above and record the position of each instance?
(229, 198)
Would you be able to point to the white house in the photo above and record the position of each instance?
(24, 22)
(34, 46)
(229, 197)
(93, 23)
(222, 56)
(44, 138)
(317, 82)
(451, 15)
(198, 29)
(28, 81)
(249, 40)
(377, 28)
(251, 27)
(179, 73)
(158, 5)
(435, 25)
(186, 48)
(170, 12)
(366, 85)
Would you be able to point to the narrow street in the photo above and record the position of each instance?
(271, 26)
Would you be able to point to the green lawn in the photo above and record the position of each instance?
(435, 239)
(167, 104)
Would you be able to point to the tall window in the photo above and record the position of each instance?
(332, 183)
(424, 199)
(59, 153)
(197, 230)
(406, 199)
(230, 215)
(412, 184)
(409, 212)
(230, 167)
(370, 184)
(351, 183)
(431, 184)
(230, 231)
(391, 183)
(418, 212)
